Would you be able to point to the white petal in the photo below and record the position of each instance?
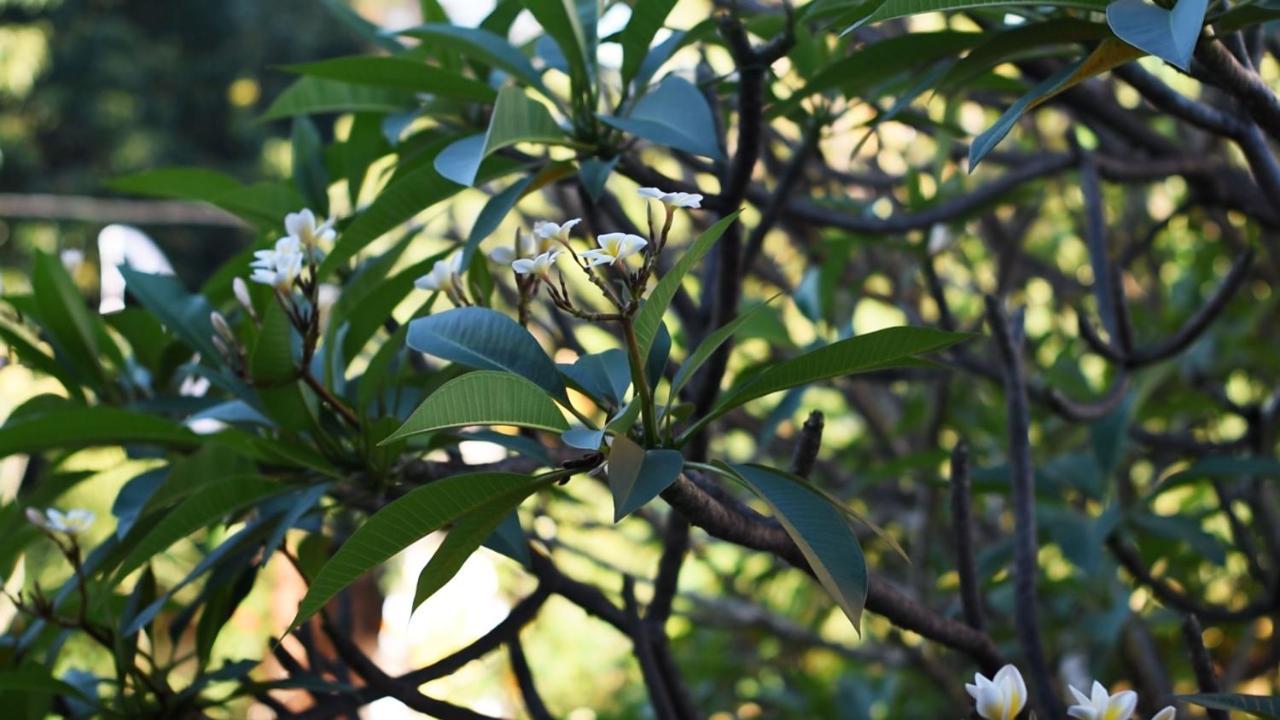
(972, 690)
(990, 703)
(545, 229)
(650, 192)
(1099, 696)
(568, 225)
(502, 255)
(299, 222)
(1081, 698)
(1121, 706)
(1166, 714)
(524, 266)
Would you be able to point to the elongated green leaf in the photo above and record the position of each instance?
(709, 345)
(673, 114)
(312, 95)
(873, 65)
(1109, 54)
(201, 509)
(878, 350)
(464, 538)
(484, 46)
(1010, 44)
(25, 348)
(1257, 705)
(62, 309)
(559, 18)
(272, 358)
(637, 475)
(820, 530)
(1170, 35)
(401, 523)
(35, 679)
(655, 306)
(484, 397)
(91, 427)
(186, 183)
(486, 340)
(310, 176)
(397, 73)
(516, 118)
(185, 314)
(646, 20)
(891, 9)
(403, 198)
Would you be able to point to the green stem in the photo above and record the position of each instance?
(641, 382)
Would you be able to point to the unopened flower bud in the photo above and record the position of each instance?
(240, 289)
(221, 327)
(35, 517)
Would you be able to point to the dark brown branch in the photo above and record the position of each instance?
(962, 527)
(1249, 87)
(807, 446)
(1008, 340)
(1201, 663)
(524, 678)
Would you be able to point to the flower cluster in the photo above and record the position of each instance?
(281, 264)
(1004, 695)
(71, 522)
(533, 257)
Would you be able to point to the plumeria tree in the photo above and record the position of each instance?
(703, 328)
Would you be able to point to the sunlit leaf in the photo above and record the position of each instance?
(484, 397)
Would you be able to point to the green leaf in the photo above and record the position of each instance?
(891, 347)
(604, 376)
(35, 679)
(399, 74)
(1014, 43)
(1109, 54)
(891, 9)
(310, 175)
(486, 340)
(464, 538)
(1257, 705)
(484, 397)
(650, 315)
(865, 72)
(673, 114)
(820, 530)
(202, 508)
(637, 475)
(74, 331)
(313, 95)
(646, 20)
(1170, 35)
(184, 314)
(400, 200)
(516, 118)
(709, 345)
(401, 523)
(482, 45)
(559, 18)
(91, 427)
(271, 361)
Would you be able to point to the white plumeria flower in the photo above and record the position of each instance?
(302, 225)
(1166, 714)
(72, 522)
(442, 274)
(1001, 697)
(1102, 705)
(546, 230)
(614, 247)
(279, 265)
(540, 265)
(530, 246)
(674, 199)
